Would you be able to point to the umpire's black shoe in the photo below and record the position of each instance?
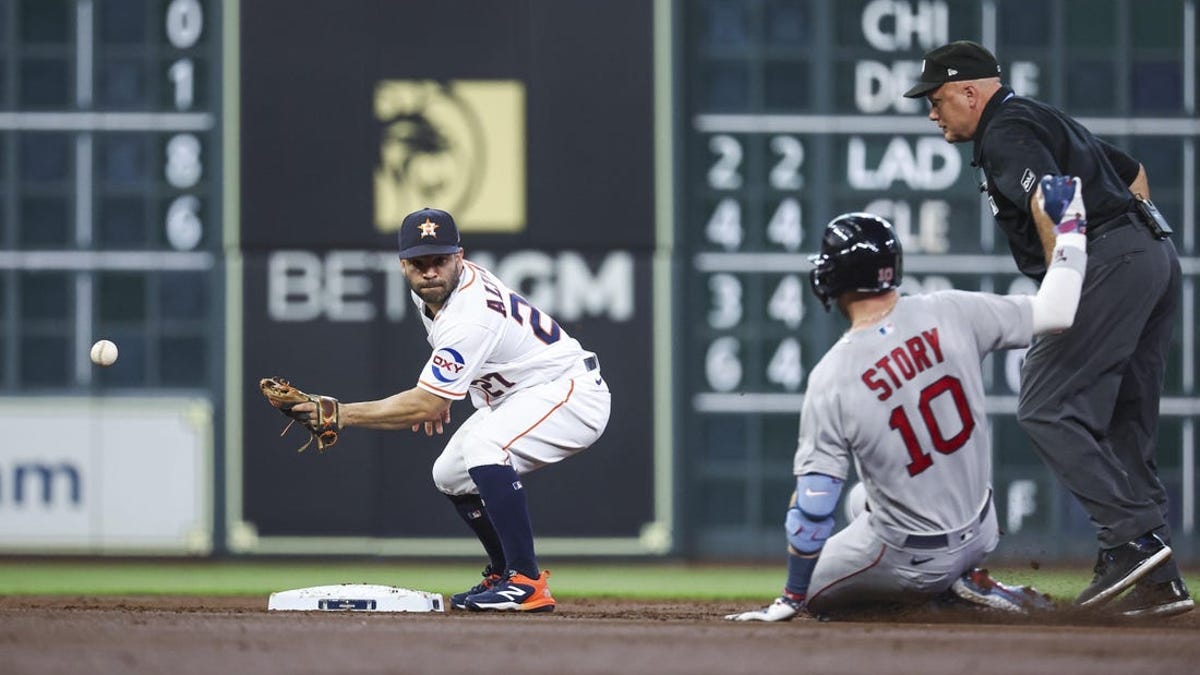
(1119, 568)
(1148, 599)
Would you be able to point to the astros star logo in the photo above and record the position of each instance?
(428, 228)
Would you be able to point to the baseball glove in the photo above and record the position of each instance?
(321, 423)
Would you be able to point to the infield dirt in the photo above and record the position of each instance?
(183, 635)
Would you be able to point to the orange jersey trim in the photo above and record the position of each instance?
(442, 392)
(474, 276)
(543, 418)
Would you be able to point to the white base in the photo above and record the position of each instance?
(355, 598)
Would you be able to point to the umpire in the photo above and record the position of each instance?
(1089, 396)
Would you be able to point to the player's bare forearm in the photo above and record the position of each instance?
(1141, 184)
(400, 411)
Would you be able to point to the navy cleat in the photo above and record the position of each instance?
(490, 579)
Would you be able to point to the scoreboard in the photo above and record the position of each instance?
(109, 192)
(791, 113)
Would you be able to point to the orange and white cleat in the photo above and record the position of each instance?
(517, 593)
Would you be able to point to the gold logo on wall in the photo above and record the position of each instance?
(457, 146)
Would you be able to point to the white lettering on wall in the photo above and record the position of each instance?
(900, 25)
(1023, 77)
(929, 233)
(1022, 503)
(879, 87)
(934, 165)
(358, 286)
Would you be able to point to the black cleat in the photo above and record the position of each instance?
(1147, 598)
(1119, 568)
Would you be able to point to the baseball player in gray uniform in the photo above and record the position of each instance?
(901, 396)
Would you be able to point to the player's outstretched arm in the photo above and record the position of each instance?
(405, 410)
(1062, 220)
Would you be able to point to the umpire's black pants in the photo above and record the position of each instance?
(1090, 395)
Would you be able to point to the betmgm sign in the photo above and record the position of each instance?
(457, 145)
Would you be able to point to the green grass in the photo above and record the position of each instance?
(649, 581)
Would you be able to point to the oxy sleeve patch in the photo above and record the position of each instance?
(447, 365)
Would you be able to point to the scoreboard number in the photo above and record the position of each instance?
(785, 367)
(787, 302)
(722, 366)
(785, 175)
(726, 292)
(725, 172)
(725, 226)
(786, 226)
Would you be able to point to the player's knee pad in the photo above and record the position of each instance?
(810, 519)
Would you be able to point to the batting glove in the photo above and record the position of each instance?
(783, 609)
(1062, 200)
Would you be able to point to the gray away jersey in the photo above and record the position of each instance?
(904, 400)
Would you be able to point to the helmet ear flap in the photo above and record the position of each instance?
(821, 282)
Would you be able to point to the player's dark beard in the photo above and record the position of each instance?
(436, 292)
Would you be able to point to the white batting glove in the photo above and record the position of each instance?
(783, 609)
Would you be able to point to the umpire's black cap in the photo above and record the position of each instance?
(428, 232)
(957, 61)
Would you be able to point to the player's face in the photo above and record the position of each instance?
(433, 277)
(951, 107)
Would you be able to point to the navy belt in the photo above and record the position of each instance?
(940, 540)
(591, 363)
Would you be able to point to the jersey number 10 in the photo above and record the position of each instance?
(899, 421)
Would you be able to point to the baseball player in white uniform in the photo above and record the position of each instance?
(901, 396)
(538, 394)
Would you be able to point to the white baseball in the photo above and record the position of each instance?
(104, 353)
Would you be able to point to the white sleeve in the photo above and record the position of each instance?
(1056, 301)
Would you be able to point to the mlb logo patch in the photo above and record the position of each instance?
(887, 328)
(1027, 180)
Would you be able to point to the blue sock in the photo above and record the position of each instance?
(473, 513)
(800, 569)
(502, 492)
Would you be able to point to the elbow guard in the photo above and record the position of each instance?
(810, 519)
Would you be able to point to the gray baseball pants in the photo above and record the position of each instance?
(1090, 395)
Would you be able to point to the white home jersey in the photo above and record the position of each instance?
(904, 400)
(490, 341)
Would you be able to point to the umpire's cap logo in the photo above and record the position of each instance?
(459, 144)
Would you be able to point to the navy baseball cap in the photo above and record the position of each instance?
(428, 232)
(957, 61)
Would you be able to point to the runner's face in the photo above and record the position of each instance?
(433, 277)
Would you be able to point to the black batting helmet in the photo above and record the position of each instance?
(859, 252)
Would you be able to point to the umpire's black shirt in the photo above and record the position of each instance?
(1019, 140)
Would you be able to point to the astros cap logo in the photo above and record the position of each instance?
(428, 228)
